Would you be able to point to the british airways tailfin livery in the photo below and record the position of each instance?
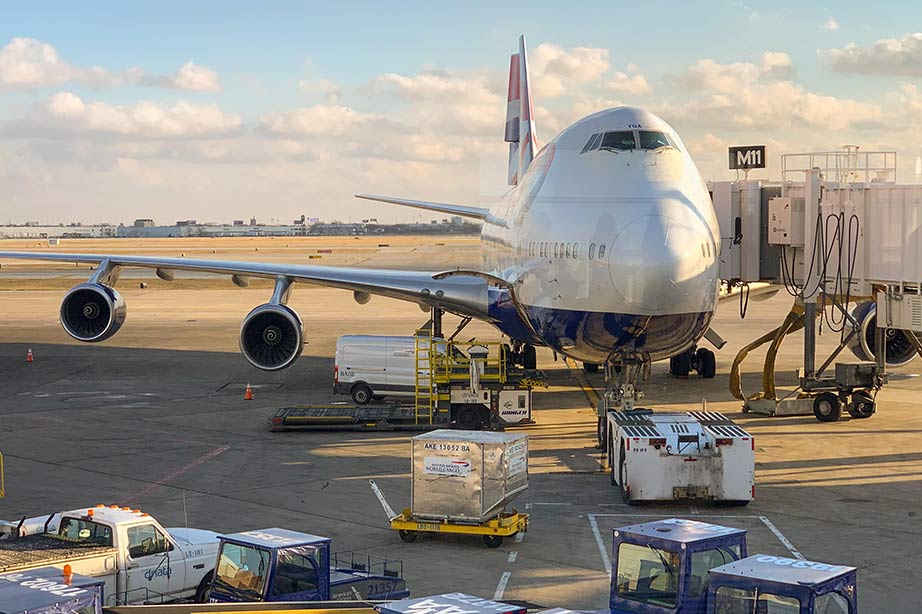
(604, 250)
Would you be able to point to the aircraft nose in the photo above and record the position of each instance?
(656, 262)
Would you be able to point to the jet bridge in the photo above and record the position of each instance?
(845, 241)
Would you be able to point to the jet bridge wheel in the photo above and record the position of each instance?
(862, 405)
(827, 407)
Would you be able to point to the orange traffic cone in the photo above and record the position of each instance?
(29, 356)
(248, 395)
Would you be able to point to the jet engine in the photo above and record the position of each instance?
(900, 349)
(92, 312)
(272, 337)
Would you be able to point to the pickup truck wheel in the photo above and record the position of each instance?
(203, 592)
(493, 541)
(361, 394)
(408, 536)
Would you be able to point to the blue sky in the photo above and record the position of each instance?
(299, 104)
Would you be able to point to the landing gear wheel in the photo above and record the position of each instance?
(529, 358)
(590, 367)
(862, 405)
(680, 365)
(493, 541)
(469, 418)
(361, 394)
(826, 407)
(707, 363)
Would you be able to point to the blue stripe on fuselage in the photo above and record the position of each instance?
(594, 336)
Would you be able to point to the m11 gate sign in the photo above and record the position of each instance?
(750, 156)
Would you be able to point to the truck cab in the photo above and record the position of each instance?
(771, 584)
(662, 567)
(281, 565)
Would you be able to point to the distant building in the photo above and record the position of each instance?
(238, 222)
(456, 220)
(181, 223)
(143, 223)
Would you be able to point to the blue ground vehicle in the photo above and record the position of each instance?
(281, 565)
(765, 583)
(47, 590)
(662, 566)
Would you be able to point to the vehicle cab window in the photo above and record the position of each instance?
(85, 531)
(705, 560)
(745, 601)
(242, 568)
(297, 572)
(653, 140)
(831, 603)
(622, 140)
(145, 540)
(647, 574)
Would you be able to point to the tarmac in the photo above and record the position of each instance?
(155, 418)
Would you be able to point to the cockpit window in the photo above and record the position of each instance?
(621, 141)
(653, 140)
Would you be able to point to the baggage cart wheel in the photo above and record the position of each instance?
(862, 405)
(493, 541)
(826, 407)
(361, 394)
(408, 536)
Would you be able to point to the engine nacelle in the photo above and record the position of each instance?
(271, 337)
(900, 349)
(92, 312)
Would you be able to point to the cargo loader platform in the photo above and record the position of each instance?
(339, 417)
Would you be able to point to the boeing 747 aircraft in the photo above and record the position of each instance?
(604, 250)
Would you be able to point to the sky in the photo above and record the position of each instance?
(222, 110)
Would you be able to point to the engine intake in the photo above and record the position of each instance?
(271, 337)
(900, 349)
(92, 312)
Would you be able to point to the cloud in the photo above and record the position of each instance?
(554, 71)
(889, 56)
(830, 24)
(318, 120)
(65, 114)
(622, 83)
(26, 63)
(329, 91)
(709, 75)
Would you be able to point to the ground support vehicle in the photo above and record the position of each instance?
(280, 565)
(137, 559)
(493, 531)
(450, 603)
(664, 456)
(471, 385)
(765, 583)
(48, 590)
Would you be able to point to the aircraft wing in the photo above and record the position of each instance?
(461, 294)
(477, 213)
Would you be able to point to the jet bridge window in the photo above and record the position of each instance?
(622, 140)
(653, 140)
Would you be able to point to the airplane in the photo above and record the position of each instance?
(604, 249)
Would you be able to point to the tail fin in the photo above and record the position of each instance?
(520, 123)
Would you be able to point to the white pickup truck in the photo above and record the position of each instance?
(139, 560)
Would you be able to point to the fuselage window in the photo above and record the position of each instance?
(569, 248)
(621, 140)
(601, 250)
(576, 250)
(591, 251)
(653, 140)
(556, 247)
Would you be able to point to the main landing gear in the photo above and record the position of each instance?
(524, 355)
(701, 360)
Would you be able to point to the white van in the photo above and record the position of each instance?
(372, 366)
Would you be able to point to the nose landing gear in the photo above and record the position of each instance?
(701, 360)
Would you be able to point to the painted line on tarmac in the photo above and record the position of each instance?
(606, 559)
(175, 474)
(512, 556)
(784, 540)
(592, 397)
(501, 587)
(519, 537)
